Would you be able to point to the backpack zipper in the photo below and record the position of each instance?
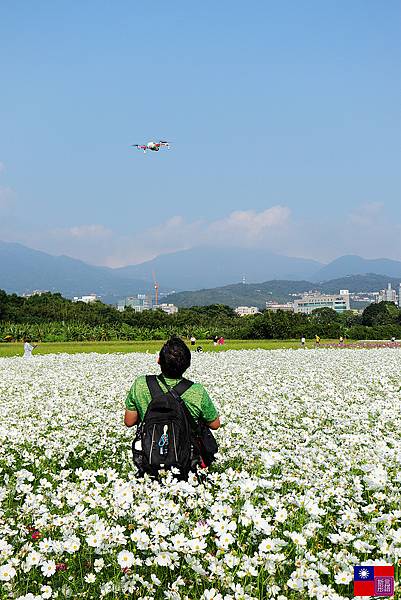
(151, 445)
(175, 448)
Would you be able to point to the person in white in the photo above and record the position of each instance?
(28, 348)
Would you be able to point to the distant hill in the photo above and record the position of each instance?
(356, 265)
(256, 294)
(23, 270)
(211, 267)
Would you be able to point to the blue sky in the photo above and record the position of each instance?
(284, 119)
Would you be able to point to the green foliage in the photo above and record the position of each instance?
(383, 313)
(52, 318)
(324, 315)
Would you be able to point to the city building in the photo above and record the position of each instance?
(138, 303)
(310, 302)
(243, 311)
(388, 295)
(275, 306)
(170, 309)
(35, 293)
(87, 299)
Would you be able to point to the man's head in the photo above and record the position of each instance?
(174, 358)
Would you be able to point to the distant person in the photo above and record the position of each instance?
(221, 341)
(341, 340)
(193, 340)
(174, 417)
(303, 342)
(393, 339)
(28, 348)
(215, 340)
(317, 341)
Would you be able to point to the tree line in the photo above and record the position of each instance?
(50, 317)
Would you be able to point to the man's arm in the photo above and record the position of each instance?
(131, 417)
(214, 424)
(209, 412)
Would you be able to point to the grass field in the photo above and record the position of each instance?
(151, 346)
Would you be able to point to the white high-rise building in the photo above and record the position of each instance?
(242, 311)
(87, 299)
(275, 306)
(309, 302)
(170, 309)
(388, 295)
(138, 303)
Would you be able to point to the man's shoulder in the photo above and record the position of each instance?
(140, 383)
(197, 388)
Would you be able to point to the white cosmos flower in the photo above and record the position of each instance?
(125, 559)
(7, 572)
(95, 541)
(163, 559)
(46, 591)
(281, 515)
(267, 546)
(48, 568)
(98, 564)
(72, 544)
(33, 559)
(343, 577)
(211, 594)
(297, 538)
(196, 545)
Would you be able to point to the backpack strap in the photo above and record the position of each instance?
(182, 386)
(154, 386)
(156, 390)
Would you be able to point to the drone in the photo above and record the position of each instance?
(154, 146)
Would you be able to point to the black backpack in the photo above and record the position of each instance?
(165, 439)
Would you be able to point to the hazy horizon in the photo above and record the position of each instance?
(284, 121)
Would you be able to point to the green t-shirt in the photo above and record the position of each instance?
(196, 399)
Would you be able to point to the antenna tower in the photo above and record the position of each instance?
(156, 288)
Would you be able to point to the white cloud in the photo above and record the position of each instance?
(367, 214)
(249, 223)
(366, 230)
(238, 228)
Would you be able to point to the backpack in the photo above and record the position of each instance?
(165, 439)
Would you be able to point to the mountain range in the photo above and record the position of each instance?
(23, 269)
(256, 294)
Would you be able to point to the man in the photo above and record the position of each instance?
(28, 348)
(174, 359)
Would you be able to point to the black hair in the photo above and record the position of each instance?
(174, 358)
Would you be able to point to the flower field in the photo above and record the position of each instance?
(307, 484)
